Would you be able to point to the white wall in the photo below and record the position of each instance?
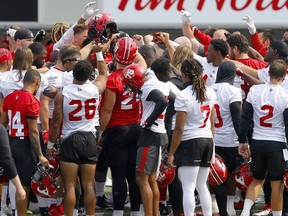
(51, 11)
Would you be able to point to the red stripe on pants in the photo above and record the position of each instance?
(143, 158)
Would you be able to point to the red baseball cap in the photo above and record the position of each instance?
(5, 55)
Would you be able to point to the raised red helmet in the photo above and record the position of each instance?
(166, 175)
(125, 50)
(243, 177)
(43, 184)
(218, 172)
(132, 77)
(100, 22)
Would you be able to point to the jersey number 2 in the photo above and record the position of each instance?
(89, 109)
(266, 117)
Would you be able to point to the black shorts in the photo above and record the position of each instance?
(79, 148)
(23, 157)
(148, 159)
(229, 155)
(194, 152)
(268, 162)
(120, 144)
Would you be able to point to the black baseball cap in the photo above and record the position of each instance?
(281, 48)
(23, 33)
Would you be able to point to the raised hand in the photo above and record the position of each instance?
(250, 23)
(90, 10)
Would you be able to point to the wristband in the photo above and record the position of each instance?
(50, 145)
(99, 56)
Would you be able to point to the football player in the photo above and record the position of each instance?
(77, 105)
(20, 111)
(266, 106)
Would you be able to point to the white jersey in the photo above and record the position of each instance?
(224, 133)
(148, 106)
(269, 102)
(10, 81)
(80, 104)
(55, 78)
(263, 75)
(198, 123)
(210, 71)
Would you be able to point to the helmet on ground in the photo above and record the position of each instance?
(166, 175)
(125, 50)
(43, 184)
(218, 172)
(243, 177)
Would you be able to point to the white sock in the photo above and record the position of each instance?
(203, 191)
(135, 213)
(247, 207)
(75, 212)
(277, 213)
(12, 195)
(4, 195)
(118, 212)
(100, 188)
(141, 209)
(215, 209)
(230, 206)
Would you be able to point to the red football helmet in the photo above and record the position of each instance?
(243, 177)
(218, 172)
(100, 22)
(132, 77)
(54, 167)
(43, 184)
(125, 50)
(166, 175)
(286, 179)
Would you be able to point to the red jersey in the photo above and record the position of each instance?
(49, 51)
(126, 110)
(253, 63)
(258, 45)
(20, 105)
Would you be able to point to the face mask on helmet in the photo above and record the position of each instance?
(132, 78)
(103, 27)
(243, 177)
(218, 172)
(43, 184)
